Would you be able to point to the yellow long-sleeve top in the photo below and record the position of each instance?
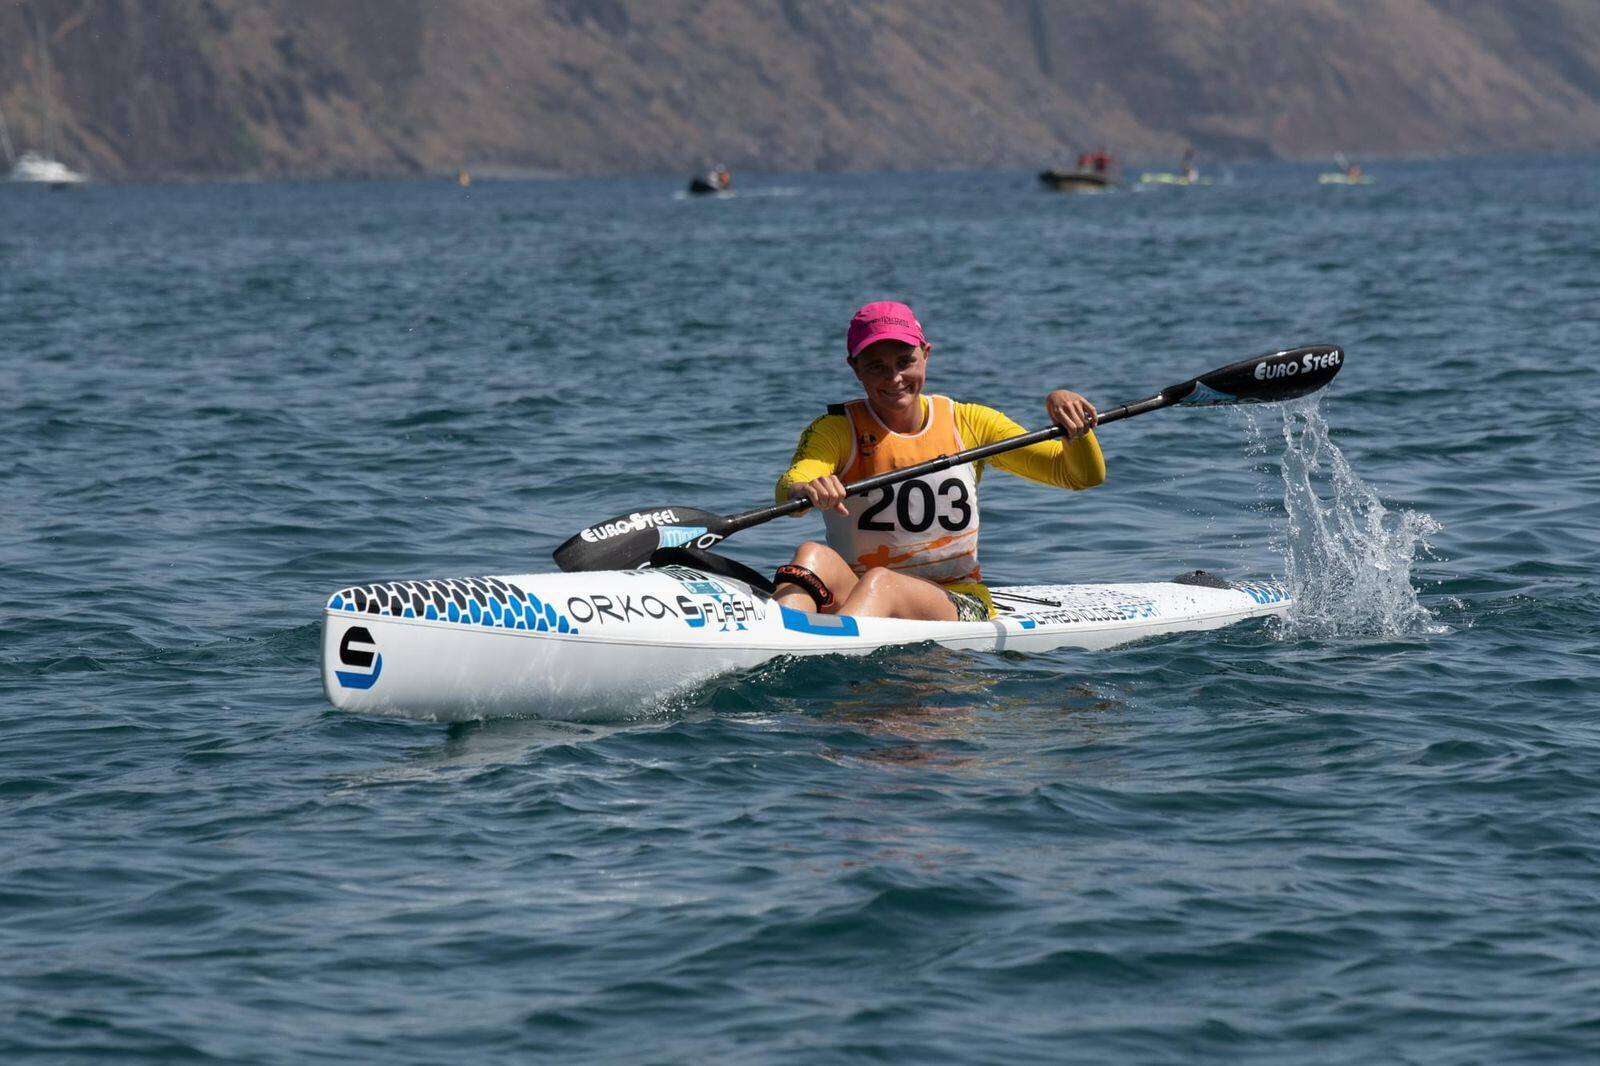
(826, 443)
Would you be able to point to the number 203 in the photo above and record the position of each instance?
(952, 508)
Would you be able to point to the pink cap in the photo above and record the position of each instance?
(883, 321)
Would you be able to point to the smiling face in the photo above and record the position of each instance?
(892, 373)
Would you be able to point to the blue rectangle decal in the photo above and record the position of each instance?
(821, 625)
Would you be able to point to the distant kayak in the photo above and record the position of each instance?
(1149, 178)
(1078, 180)
(718, 181)
(1336, 178)
(581, 645)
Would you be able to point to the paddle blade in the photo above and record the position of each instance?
(628, 540)
(1265, 379)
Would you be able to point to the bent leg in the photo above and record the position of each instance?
(883, 593)
(827, 564)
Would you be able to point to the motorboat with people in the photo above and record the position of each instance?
(1095, 171)
(718, 181)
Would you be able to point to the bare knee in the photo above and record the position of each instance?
(872, 590)
(812, 552)
(884, 593)
(826, 564)
(875, 579)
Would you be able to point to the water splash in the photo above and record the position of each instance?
(1348, 558)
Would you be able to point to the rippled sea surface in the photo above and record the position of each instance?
(1369, 834)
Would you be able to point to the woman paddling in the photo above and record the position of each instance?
(911, 550)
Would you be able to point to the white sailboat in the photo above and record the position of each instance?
(41, 167)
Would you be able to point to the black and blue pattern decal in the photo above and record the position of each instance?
(1264, 592)
(479, 601)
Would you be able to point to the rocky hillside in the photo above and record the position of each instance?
(166, 88)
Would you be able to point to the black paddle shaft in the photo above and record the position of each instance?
(629, 540)
(1266, 379)
(747, 519)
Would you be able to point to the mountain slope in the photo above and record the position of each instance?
(277, 87)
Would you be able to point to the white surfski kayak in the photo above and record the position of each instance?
(583, 645)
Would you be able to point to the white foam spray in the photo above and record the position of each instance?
(1347, 558)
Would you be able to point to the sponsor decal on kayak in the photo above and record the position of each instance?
(357, 649)
(1266, 370)
(619, 607)
(1114, 611)
(639, 520)
(727, 612)
(703, 604)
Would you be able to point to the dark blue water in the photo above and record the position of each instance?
(1369, 834)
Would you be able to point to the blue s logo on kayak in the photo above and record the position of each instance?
(359, 650)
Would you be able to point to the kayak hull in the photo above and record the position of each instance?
(586, 645)
(600, 645)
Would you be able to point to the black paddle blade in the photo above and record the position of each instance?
(1265, 379)
(628, 540)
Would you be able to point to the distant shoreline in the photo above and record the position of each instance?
(407, 90)
(496, 173)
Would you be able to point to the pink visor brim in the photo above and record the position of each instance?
(902, 335)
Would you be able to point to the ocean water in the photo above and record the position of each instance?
(1370, 832)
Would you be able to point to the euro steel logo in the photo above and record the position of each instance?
(1267, 370)
(639, 520)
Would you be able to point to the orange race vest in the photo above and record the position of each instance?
(926, 527)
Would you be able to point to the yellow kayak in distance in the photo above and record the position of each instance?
(1151, 178)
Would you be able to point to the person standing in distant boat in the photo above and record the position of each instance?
(911, 550)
